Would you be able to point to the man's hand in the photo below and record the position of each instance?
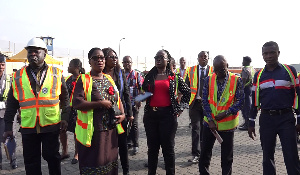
(220, 116)
(120, 118)
(130, 118)
(212, 126)
(251, 132)
(63, 125)
(298, 129)
(106, 104)
(179, 113)
(7, 134)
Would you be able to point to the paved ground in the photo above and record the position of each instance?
(247, 155)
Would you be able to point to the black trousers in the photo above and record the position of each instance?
(161, 127)
(196, 116)
(283, 126)
(123, 148)
(247, 104)
(226, 151)
(134, 131)
(50, 152)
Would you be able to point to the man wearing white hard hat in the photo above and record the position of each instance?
(39, 91)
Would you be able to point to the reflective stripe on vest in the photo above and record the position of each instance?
(251, 73)
(45, 105)
(193, 78)
(7, 86)
(293, 80)
(226, 100)
(84, 126)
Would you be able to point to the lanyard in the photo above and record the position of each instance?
(129, 74)
(35, 78)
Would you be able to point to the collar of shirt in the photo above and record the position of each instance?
(278, 66)
(202, 67)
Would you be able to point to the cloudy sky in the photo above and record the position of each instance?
(230, 28)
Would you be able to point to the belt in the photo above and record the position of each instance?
(159, 108)
(277, 111)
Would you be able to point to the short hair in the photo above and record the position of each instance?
(92, 51)
(271, 43)
(247, 58)
(204, 52)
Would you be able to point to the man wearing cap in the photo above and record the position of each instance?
(39, 91)
(4, 87)
(247, 76)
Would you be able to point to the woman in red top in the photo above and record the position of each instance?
(162, 110)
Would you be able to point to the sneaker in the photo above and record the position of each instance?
(195, 159)
(14, 164)
(135, 150)
(243, 128)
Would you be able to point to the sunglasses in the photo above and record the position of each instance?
(160, 57)
(112, 57)
(96, 58)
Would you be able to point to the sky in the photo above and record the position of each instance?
(233, 28)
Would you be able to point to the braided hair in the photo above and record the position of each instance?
(151, 76)
(77, 63)
(106, 52)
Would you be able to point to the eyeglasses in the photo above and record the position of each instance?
(112, 57)
(160, 57)
(96, 58)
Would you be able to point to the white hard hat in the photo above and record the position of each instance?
(36, 42)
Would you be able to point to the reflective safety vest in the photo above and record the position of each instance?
(294, 83)
(7, 86)
(252, 72)
(185, 72)
(226, 100)
(45, 105)
(84, 125)
(193, 78)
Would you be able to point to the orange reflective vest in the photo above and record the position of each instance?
(193, 78)
(185, 72)
(226, 100)
(84, 125)
(45, 105)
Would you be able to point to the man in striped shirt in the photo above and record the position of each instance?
(273, 92)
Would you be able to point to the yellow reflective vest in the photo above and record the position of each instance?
(193, 78)
(45, 105)
(226, 100)
(7, 86)
(185, 72)
(84, 125)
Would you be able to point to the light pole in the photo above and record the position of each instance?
(120, 47)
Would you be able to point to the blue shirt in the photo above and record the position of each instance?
(276, 90)
(239, 96)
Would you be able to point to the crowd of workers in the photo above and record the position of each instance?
(99, 107)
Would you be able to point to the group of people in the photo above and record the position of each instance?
(99, 107)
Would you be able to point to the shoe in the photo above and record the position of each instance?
(195, 159)
(135, 150)
(243, 128)
(14, 164)
(63, 157)
(74, 161)
(129, 145)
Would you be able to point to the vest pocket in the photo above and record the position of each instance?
(51, 115)
(28, 118)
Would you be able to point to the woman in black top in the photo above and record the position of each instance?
(75, 68)
(162, 110)
(112, 68)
